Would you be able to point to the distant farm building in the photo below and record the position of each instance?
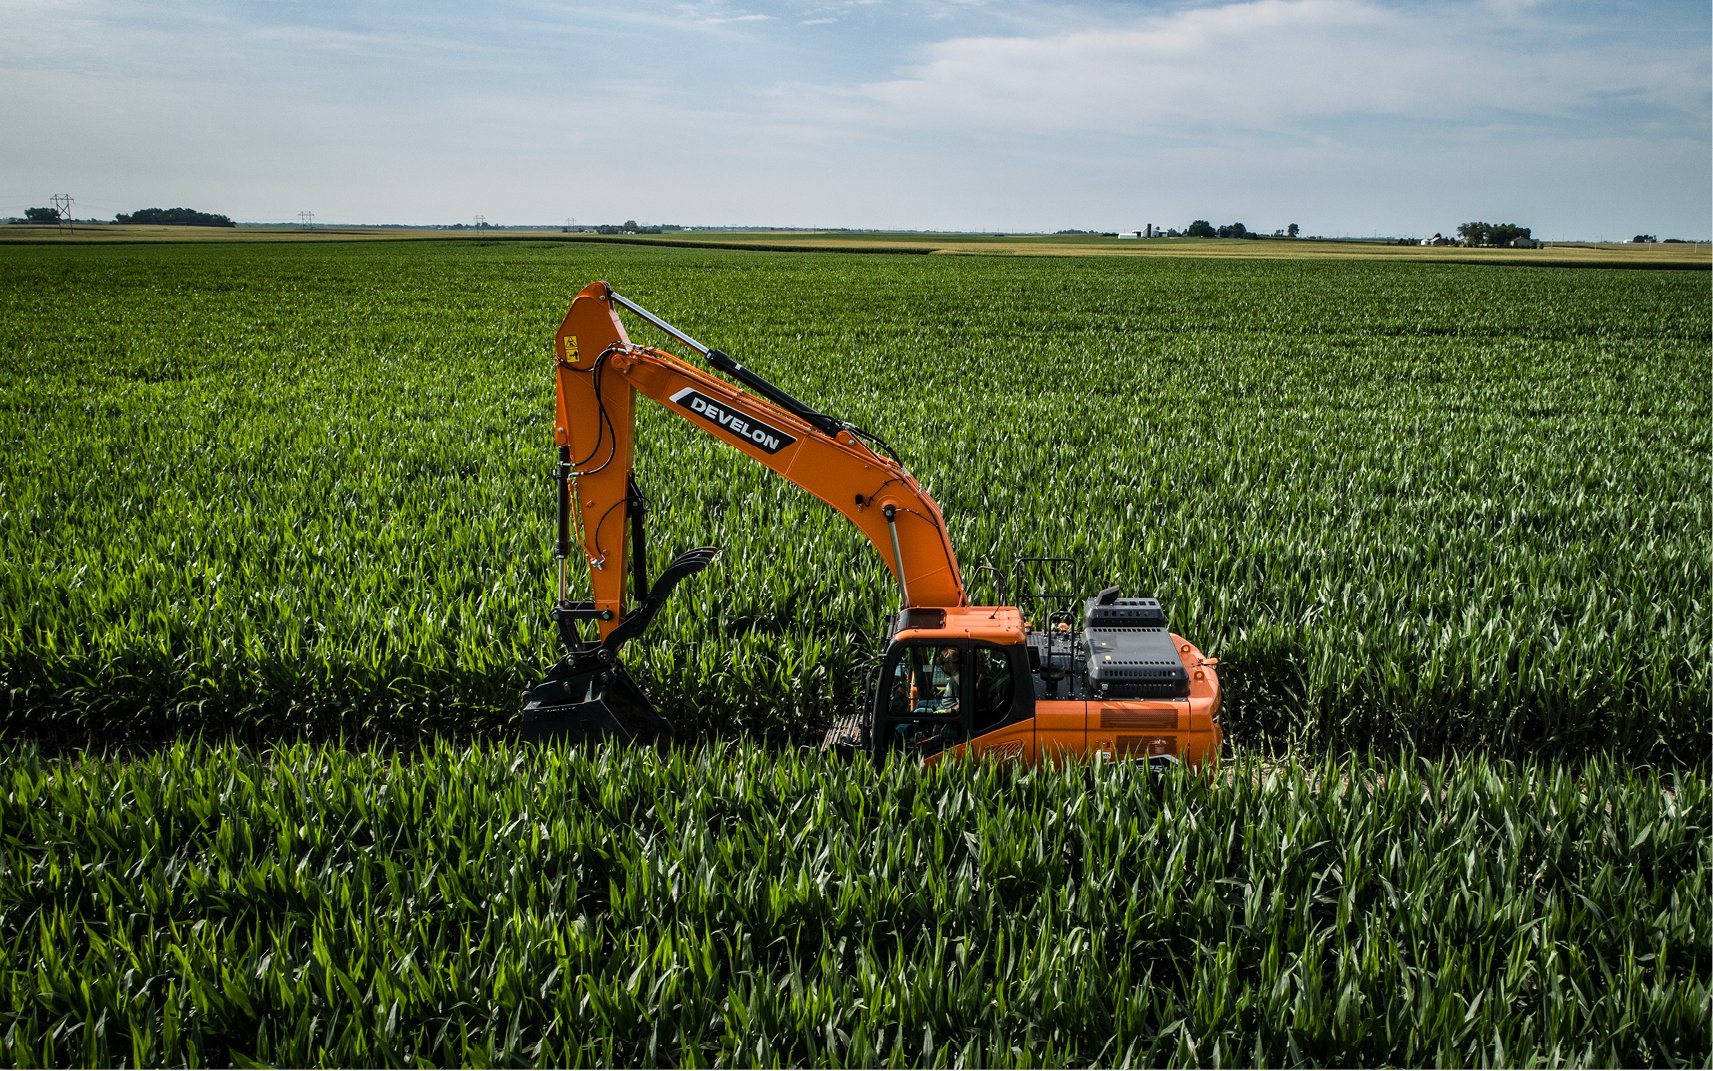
(1524, 243)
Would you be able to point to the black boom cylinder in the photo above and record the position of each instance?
(563, 551)
(724, 363)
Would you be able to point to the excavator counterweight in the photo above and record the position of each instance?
(953, 678)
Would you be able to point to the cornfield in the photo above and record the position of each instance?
(275, 538)
(500, 905)
(274, 490)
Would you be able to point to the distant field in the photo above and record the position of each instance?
(300, 488)
(1565, 254)
(96, 234)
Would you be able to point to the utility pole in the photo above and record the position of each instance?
(307, 219)
(62, 205)
(481, 221)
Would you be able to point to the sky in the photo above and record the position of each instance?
(1351, 118)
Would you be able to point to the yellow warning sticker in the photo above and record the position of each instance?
(571, 348)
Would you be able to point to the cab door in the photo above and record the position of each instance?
(1001, 702)
(954, 697)
(920, 708)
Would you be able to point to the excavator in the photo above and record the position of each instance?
(1100, 677)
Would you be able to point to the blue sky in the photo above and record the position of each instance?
(1347, 117)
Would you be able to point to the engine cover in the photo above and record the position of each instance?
(1130, 653)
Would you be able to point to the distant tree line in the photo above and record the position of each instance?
(631, 226)
(1201, 228)
(175, 217)
(1491, 233)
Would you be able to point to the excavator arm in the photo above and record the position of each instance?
(600, 374)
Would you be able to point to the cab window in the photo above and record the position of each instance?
(926, 700)
(926, 682)
(991, 689)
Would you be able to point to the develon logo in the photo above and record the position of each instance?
(756, 432)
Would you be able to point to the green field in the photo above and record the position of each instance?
(315, 907)
(276, 489)
(275, 560)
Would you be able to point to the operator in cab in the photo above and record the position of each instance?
(951, 685)
(927, 697)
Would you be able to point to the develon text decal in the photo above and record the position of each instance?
(742, 425)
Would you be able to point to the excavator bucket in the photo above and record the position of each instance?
(586, 701)
(588, 696)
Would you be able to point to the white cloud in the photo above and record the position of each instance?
(368, 44)
(717, 13)
(1268, 65)
(1360, 116)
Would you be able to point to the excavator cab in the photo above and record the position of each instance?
(950, 677)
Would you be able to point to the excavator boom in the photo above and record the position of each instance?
(600, 373)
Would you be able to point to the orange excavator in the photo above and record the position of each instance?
(1100, 677)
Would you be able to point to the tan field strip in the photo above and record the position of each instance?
(1561, 254)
